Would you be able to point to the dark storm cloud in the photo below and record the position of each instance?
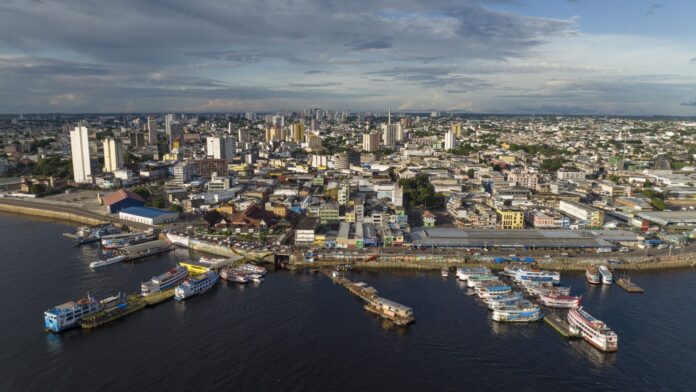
(692, 103)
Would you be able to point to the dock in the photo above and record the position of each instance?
(132, 304)
(156, 298)
(139, 251)
(399, 314)
(556, 322)
(626, 284)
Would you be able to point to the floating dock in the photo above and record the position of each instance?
(156, 298)
(626, 284)
(132, 304)
(560, 325)
(135, 252)
(397, 313)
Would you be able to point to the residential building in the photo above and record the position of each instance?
(79, 149)
(113, 155)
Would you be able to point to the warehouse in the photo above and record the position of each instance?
(524, 239)
(147, 215)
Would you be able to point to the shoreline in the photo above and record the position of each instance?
(63, 215)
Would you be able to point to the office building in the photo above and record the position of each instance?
(371, 141)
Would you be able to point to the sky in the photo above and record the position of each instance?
(619, 57)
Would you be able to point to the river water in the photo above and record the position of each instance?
(297, 331)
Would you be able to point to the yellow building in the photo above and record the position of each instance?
(226, 209)
(457, 129)
(298, 132)
(319, 240)
(280, 210)
(510, 219)
(509, 159)
(350, 217)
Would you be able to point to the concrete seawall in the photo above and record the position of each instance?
(52, 214)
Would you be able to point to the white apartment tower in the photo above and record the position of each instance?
(113, 155)
(79, 149)
(450, 140)
(220, 147)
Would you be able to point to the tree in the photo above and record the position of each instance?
(176, 208)
(471, 173)
(143, 192)
(551, 164)
(38, 189)
(158, 202)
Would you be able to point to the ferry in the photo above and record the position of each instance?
(70, 314)
(390, 310)
(492, 291)
(560, 301)
(211, 260)
(592, 275)
(522, 275)
(524, 311)
(592, 330)
(444, 273)
(232, 275)
(258, 278)
(164, 281)
(504, 297)
(117, 241)
(86, 235)
(556, 290)
(463, 273)
(252, 269)
(502, 303)
(110, 260)
(475, 280)
(196, 285)
(607, 278)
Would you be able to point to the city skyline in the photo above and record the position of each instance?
(521, 57)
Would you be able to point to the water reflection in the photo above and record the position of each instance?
(595, 356)
(522, 330)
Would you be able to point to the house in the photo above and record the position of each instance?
(428, 219)
(116, 201)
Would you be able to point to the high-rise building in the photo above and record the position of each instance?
(457, 129)
(79, 149)
(389, 131)
(137, 139)
(113, 155)
(176, 132)
(168, 119)
(450, 140)
(243, 136)
(151, 130)
(220, 147)
(183, 173)
(371, 141)
(298, 132)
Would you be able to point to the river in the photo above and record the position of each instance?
(297, 331)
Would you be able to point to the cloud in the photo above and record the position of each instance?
(692, 60)
(654, 7)
(691, 103)
(384, 43)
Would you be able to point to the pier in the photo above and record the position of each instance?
(390, 310)
(626, 284)
(561, 326)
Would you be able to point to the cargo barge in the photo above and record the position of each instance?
(115, 311)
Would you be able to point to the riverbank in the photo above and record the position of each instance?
(52, 212)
